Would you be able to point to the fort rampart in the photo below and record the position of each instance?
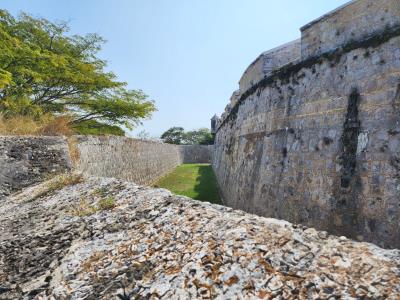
(312, 135)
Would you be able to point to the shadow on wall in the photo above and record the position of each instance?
(206, 185)
(195, 153)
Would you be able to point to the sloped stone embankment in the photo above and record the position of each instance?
(103, 237)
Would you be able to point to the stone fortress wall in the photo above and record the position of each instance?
(195, 154)
(28, 160)
(139, 161)
(312, 134)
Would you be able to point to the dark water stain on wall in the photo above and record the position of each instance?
(349, 184)
(253, 148)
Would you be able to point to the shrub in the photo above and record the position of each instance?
(74, 153)
(83, 209)
(106, 203)
(26, 125)
(57, 183)
(57, 126)
(19, 125)
(53, 125)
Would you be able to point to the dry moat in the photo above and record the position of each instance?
(306, 161)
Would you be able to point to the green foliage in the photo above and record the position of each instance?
(106, 203)
(201, 136)
(84, 208)
(42, 70)
(21, 106)
(174, 135)
(101, 192)
(93, 127)
(177, 135)
(196, 181)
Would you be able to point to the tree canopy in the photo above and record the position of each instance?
(45, 70)
(174, 135)
(200, 136)
(177, 135)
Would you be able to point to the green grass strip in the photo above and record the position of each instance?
(196, 181)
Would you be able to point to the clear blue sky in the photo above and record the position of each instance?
(187, 55)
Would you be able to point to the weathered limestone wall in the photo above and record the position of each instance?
(28, 160)
(269, 61)
(139, 161)
(351, 22)
(318, 141)
(195, 153)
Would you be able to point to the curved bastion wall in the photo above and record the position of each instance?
(268, 61)
(317, 140)
(28, 160)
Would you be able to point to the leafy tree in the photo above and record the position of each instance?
(174, 135)
(44, 70)
(201, 136)
(92, 127)
(177, 135)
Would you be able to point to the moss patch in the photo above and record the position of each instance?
(106, 203)
(56, 184)
(84, 208)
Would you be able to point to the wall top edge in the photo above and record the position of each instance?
(55, 137)
(275, 49)
(327, 15)
(296, 41)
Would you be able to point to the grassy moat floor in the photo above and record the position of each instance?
(196, 181)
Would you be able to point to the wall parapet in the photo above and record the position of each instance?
(268, 62)
(285, 72)
(359, 23)
(351, 22)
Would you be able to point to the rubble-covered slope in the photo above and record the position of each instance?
(103, 237)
